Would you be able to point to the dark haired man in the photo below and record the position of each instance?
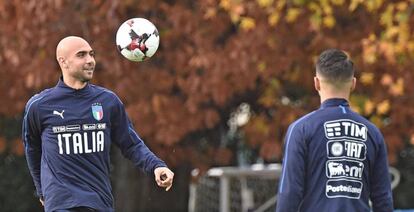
(334, 160)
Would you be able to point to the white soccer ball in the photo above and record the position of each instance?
(137, 39)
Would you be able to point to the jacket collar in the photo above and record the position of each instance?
(334, 102)
(65, 88)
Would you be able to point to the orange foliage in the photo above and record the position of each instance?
(17, 147)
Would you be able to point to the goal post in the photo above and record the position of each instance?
(225, 189)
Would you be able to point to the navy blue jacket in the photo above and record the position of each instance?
(67, 135)
(335, 160)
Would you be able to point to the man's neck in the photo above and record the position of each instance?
(74, 83)
(327, 95)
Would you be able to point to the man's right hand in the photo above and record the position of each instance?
(41, 201)
(164, 177)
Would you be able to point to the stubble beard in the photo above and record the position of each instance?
(86, 76)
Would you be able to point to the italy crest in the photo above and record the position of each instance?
(97, 111)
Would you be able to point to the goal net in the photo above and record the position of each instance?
(241, 189)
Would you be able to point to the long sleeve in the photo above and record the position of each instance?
(131, 145)
(31, 135)
(381, 195)
(292, 182)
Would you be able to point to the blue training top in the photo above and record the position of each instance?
(335, 160)
(67, 135)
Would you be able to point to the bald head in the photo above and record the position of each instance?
(76, 59)
(68, 45)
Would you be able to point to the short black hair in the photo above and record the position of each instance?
(335, 66)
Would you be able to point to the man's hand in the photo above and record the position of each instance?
(164, 177)
(41, 201)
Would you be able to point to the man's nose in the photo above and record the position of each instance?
(90, 59)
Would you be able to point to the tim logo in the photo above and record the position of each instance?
(345, 128)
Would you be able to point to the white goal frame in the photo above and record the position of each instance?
(268, 171)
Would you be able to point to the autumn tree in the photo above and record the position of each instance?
(214, 56)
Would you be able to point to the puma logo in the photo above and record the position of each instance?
(59, 114)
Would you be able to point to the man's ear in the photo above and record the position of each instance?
(353, 84)
(62, 62)
(317, 83)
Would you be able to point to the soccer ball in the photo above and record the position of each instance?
(137, 39)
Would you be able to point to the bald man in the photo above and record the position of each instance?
(68, 131)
